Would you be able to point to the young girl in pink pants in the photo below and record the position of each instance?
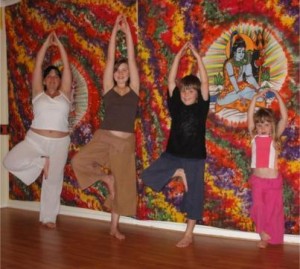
(266, 181)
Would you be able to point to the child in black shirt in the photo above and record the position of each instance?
(185, 154)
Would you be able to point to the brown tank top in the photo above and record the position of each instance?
(120, 111)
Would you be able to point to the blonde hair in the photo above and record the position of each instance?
(266, 114)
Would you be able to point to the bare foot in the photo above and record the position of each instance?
(109, 181)
(180, 173)
(117, 234)
(185, 241)
(264, 236)
(49, 225)
(262, 244)
(46, 166)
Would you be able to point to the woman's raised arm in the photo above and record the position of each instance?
(37, 77)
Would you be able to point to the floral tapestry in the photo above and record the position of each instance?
(270, 30)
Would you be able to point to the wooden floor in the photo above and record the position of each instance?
(79, 243)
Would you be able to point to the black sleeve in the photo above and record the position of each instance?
(204, 105)
(174, 100)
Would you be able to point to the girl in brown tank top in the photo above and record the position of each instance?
(113, 145)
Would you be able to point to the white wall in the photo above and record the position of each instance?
(3, 109)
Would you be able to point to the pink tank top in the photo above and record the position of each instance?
(263, 152)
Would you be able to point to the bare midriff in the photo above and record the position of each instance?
(50, 133)
(265, 172)
(120, 134)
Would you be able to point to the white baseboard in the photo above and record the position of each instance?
(199, 229)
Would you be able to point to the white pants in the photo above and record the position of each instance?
(26, 163)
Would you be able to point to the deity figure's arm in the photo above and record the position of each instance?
(249, 76)
(232, 78)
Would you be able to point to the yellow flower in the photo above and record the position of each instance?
(144, 54)
(287, 20)
(178, 32)
(294, 166)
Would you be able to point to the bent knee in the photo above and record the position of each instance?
(9, 163)
(5, 163)
(77, 161)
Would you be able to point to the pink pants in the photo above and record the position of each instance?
(267, 207)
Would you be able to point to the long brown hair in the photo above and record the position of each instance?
(117, 63)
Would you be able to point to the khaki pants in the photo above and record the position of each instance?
(118, 155)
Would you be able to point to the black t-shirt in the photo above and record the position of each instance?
(187, 135)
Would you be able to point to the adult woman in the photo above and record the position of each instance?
(46, 144)
(113, 145)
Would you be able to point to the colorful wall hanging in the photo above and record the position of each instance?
(270, 30)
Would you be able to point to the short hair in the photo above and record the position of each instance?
(49, 69)
(191, 81)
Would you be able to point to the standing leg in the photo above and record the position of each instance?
(122, 161)
(273, 211)
(193, 198)
(257, 211)
(52, 186)
(188, 235)
(114, 226)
